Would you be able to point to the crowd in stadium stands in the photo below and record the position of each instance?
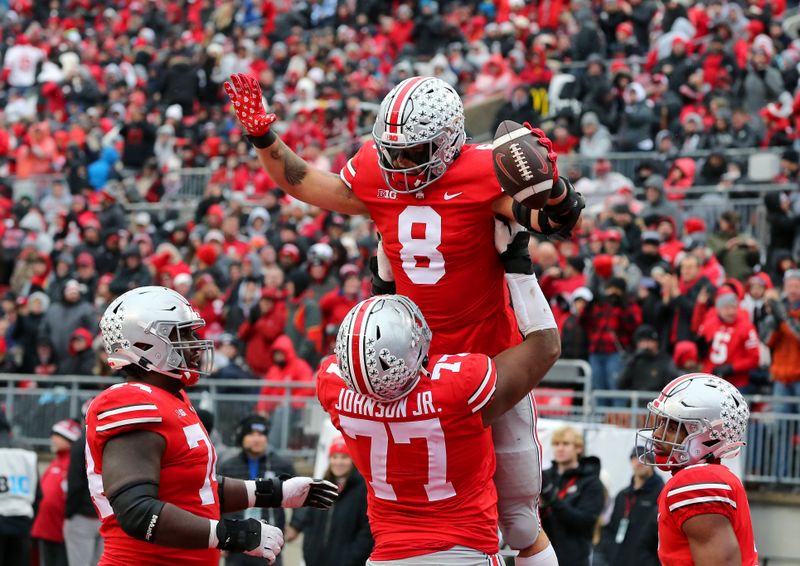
(113, 99)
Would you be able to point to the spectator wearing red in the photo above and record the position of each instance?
(207, 300)
(729, 341)
(38, 154)
(680, 178)
(495, 78)
(289, 368)
(302, 130)
(610, 323)
(335, 304)
(48, 526)
(564, 280)
(262, 327)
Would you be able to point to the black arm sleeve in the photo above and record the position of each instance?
(137, 509)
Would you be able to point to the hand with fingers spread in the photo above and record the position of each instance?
(308, 492)
(248, 103)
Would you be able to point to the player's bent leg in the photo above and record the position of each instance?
(519, 474)
(456, 556)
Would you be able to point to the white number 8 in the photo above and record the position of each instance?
(421, 247)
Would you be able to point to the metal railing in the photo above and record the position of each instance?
(771, 455)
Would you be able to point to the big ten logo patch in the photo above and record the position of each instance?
(15, 485)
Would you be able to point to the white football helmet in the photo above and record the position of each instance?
(151, 327)
(421, 120)
(711, 411)
(382, 347)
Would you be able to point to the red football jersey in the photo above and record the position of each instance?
(700, 490)
(441, 248)
(187, 467)
(427, 458)
(735, 344)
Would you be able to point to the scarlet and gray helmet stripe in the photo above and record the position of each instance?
(357, 347)
(396, 112)
(670, 388)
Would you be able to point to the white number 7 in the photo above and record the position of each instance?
(194, 436)
(437, 487)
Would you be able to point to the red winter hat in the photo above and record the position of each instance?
(685, 352)
(604, 265)
(67, 428)
(625, 28)
(216, 210)
(207, 253)
(694, 224)
(762, 279)
(338, 446)
(613, 235)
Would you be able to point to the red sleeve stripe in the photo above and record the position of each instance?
(485, 391)
(347, 174)
(699, 486)
(125, 409)
(127, 422)
(697, 500)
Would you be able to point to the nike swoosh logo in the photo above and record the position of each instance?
(454, 195)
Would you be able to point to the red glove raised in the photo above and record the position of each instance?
(548, 145)
(245, 93)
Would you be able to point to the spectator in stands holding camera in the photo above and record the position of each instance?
(572, 498)
(648, 369)
(737, 252)
(610, 323)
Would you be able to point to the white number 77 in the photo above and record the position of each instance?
(437, 487)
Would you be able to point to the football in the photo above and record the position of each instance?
(521, 164)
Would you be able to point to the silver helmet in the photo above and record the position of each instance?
(151, 327)
(422, 121)
(382, 347)
(709, 410)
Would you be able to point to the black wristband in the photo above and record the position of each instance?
(379, 286)
(269, 492)
(522, 214)
(263, 141)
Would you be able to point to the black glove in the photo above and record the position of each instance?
(517, 257)
(295, 492)
(723, 371)
(237, 535)
(565, 214)
(379, 286)
(255, 313)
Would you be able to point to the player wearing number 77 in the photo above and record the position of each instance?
(149, 461)
(434, 199)
(418, 428)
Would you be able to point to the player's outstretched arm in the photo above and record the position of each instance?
(712, 541)
(293, 175)
(131, 473)
(289, 493)
(521, 368)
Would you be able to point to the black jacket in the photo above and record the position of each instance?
(339, 536)
(640, 545)
(79, 501)
(269, 465)
(570, 506)
(647, 371)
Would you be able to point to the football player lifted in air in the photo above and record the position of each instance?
(418, 426)
(149, 461)
(434, 199)
(703, 513)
